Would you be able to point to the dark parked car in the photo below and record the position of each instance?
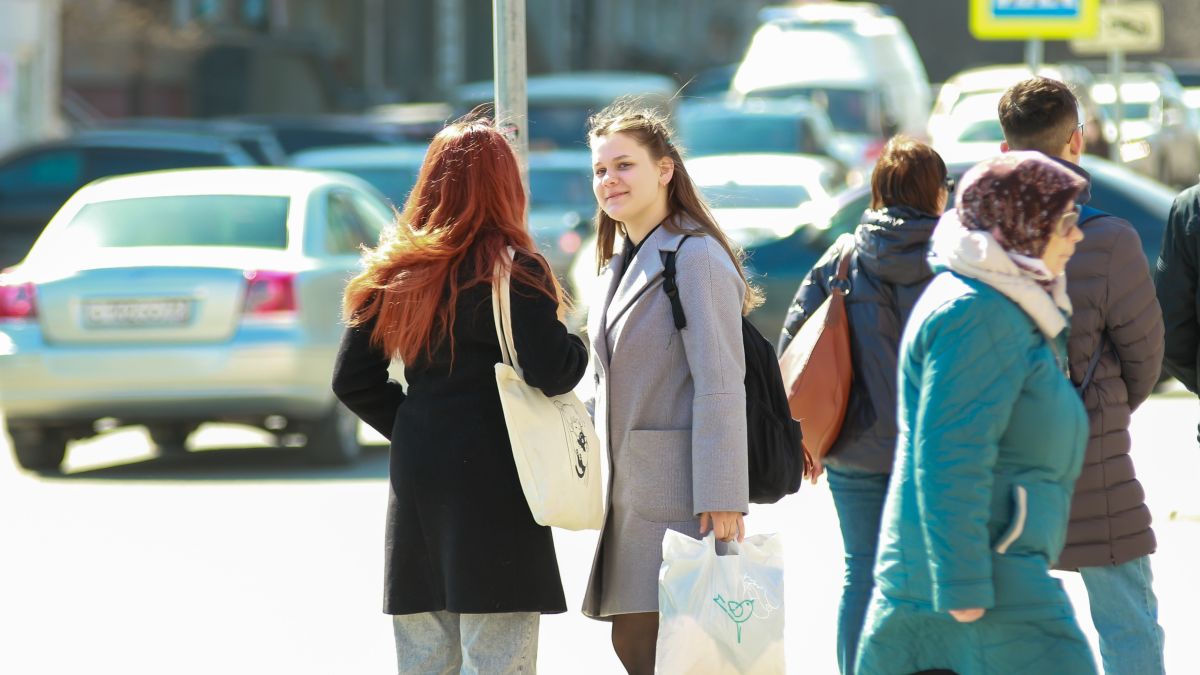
(780, 265)
(35, 180)
(257, 140)
(303, 132)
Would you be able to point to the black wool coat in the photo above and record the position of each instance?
(460, 536)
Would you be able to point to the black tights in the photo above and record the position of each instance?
(634, 637)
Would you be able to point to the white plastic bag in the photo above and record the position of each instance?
(720, 614)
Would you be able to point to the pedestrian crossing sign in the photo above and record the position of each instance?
(1026, 19)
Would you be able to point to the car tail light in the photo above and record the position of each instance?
(873, 150)
(569, 242)
(270, 292)
(18, 301)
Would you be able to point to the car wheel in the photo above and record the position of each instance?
(171, 439)
(333, 439)
(37, 449)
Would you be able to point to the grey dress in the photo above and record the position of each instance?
(670, 408)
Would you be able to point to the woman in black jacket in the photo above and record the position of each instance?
(889, 270)
(468, 571)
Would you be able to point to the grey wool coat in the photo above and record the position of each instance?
(670, 407)
(1111, 291)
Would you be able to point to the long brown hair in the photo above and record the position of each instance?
(467, 207)
(649, 129)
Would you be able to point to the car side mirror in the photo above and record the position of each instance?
(890, 126)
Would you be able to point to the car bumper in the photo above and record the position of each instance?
(259, 372)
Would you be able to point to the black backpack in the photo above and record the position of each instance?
(776, 457)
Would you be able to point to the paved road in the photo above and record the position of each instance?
(238, 558)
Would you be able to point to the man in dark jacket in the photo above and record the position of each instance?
(1178, 274)
(1115, 311)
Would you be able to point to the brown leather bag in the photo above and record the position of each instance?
(816, 368)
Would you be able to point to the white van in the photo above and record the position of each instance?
(852, 58)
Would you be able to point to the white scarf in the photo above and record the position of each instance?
(1024, 280)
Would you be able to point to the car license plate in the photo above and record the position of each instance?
(135, 313)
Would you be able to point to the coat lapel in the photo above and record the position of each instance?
(597, 332)
(645, 270)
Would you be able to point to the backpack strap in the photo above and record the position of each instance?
(1087, 213)
(672, 289)
(1092, 363)
(840, 282)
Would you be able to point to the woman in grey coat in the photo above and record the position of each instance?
(909, 189)
(670, 404)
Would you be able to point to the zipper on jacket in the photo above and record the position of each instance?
(1018, 522)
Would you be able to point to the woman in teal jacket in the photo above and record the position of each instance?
(992, 437)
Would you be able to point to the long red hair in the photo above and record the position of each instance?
(467, 207)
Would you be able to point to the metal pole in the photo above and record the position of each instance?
(508, 44)
(451, 43)
(1034, 50)
(374, 28)
(1116, 64)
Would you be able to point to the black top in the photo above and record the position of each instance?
(459, 534)
(631, 249)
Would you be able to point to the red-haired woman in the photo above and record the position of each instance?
(468, 571)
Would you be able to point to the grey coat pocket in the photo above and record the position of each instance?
(661, 474)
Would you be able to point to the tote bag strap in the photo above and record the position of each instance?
(502, 312)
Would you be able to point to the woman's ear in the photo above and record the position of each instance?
(666, 170)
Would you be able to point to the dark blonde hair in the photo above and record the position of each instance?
(648, 128)
(908, 173)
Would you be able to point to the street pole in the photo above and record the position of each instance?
(1116, 66)
(451, 44)
(512, 112)
(1034, 50)
(374, 29)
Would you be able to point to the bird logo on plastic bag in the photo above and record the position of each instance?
(756, 605)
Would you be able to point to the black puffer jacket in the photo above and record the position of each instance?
(888, 274)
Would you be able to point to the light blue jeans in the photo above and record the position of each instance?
(445, 643)
(858, 498)
(1125, 612)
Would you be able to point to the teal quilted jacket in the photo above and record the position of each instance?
(992, 439)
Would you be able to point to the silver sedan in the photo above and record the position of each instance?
(180, 297)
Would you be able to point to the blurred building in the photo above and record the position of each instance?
(216, 57)
(29, 70)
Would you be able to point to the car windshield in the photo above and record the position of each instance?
(734, 196)
(560, 187)
(182, 220)
(722, 134)
(559, 125)
(982, 131)
(395, 182)
(850, 110)
(1129, 111)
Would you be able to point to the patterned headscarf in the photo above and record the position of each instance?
(1019, 198)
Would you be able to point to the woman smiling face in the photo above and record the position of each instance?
(630, 186)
